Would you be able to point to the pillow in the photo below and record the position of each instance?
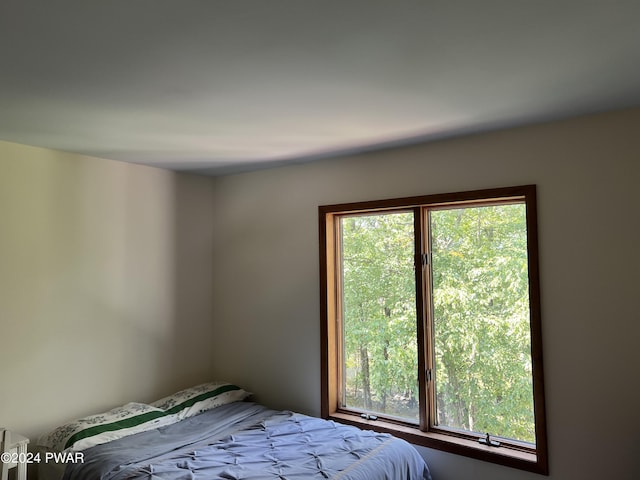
(194, 400)
(104, 427)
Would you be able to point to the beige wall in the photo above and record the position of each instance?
(105, 285)
(587, 170)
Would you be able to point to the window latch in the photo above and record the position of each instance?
(488, 441)
(366, 416)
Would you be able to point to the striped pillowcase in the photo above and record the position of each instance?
(191, 401)
(139, 417)
(105, 427)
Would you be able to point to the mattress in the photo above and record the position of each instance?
(244, 440)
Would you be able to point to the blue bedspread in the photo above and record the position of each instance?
(248, 441)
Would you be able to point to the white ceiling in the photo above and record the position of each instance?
(226, 86)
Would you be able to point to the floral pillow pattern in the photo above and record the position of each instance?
(139, 417)
(194, 400)
(104, 427)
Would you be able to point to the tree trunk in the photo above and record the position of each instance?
(366, 383)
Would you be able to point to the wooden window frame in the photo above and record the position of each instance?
(513, 454)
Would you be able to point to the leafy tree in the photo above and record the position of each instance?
(480, 308)
(481, 320)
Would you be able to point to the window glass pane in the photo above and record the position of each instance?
(380, 371)
(481, 320)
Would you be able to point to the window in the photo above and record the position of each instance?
(431, 322)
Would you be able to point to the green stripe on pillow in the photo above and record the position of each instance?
(198, 398)
(111, 427)
(146, 417)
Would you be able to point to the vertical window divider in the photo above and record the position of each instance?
(427, 315)
(423, 342)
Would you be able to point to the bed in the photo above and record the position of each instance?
(222, 436)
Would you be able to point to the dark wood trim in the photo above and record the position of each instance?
(324, 315)
(427, 316)
(431, 200)
(336, 348)
(461, 446)
(535, 323)
(423, 343)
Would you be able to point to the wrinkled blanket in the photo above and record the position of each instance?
(248, 441)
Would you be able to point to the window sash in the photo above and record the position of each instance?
(341, 264)
(514, 322)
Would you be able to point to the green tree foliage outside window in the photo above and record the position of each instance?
(480, 305)
(381, 360)
(481, 320)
